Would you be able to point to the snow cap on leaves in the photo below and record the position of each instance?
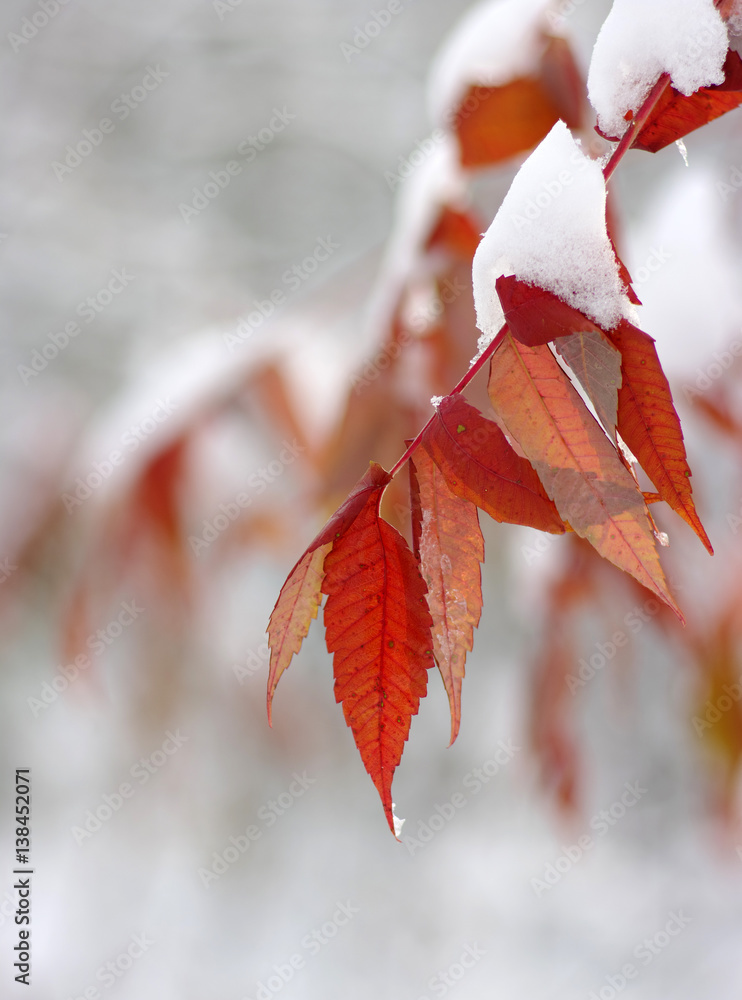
(550, 231)
(639, 41)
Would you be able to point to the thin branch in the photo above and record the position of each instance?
(627, 139)
(459, 387)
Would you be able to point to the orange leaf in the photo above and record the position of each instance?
(297, 605)
(675, 115)
(597, 365)
(495, 123)
(378, 628)
(649, 425)
(299, 599)
(577, 464)
(451, 547)
(503, 121)
(480, 466)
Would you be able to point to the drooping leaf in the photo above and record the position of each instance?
(597, 365)
(378, 628)
(649, 425)
(675, 115)
(450, 547)
(300, 595)
(297, 605)
(577, 464)
(479, 465)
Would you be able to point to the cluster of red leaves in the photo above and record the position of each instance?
(391, 610)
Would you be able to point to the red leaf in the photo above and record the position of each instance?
(299, 599)
(577, 464)
(649, 425)
(536, 316)
(480, 466)
(675, 115)
(378, 628)
(450, 547)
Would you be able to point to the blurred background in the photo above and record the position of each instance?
(234, 257)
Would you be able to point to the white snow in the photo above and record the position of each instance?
(550, 231)
(639, 41)
(495, 42)
(398, 823)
